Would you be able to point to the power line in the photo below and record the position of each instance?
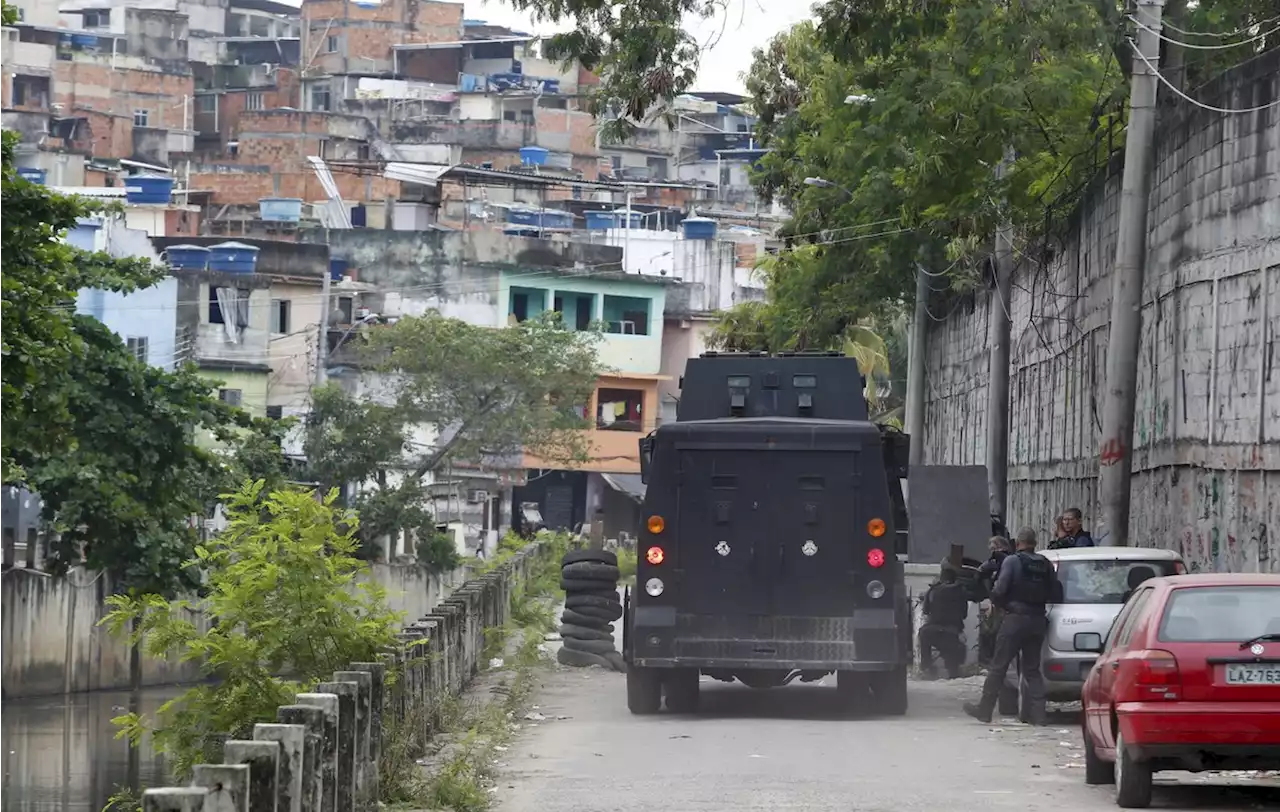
(1196, 102)
(1198, 47)
(1164, 23)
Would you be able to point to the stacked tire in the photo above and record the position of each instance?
(589, 579)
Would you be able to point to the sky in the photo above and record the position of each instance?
(728, 38)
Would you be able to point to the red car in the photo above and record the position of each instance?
(1187, 679)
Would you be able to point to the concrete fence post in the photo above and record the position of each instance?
(312, 720)
(328, 760)
(377, 709)
(174, 799)
(364, 691)
(228, 786)
(346, 693)
(292, 741)
(263, 761)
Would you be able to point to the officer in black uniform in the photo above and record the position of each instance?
(945, 608)
(1025, 586)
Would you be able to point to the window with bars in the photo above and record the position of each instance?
(232, 397)
(137, 346)
(253, 100)
(280, 316)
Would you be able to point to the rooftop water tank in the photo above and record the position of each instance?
(337, 269)
(32, 173)
(233, 257)
(699, 228)
(280, 209)
(533, 156)
(621, 220)
(188, 257)
(148, 189)
(600, 220)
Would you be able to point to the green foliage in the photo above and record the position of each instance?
(127, 486)
(283, 597)
(492, 392)
(40, 345)
(628, 559)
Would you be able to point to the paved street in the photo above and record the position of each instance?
(782, 750)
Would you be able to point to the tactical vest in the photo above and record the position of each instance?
(1034, 586)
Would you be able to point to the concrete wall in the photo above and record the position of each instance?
(1206, 456)
(52, 642)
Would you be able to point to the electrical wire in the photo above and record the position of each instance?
(1222, 110)
(1198, 47)
(1244, 30)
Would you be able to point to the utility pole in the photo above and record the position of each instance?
(915, 369)
(998, 372)
(322, 348)
(1115, 456)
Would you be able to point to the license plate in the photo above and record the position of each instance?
(1262, 674)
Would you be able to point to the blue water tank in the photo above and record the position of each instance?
(622, 221)
(600, 220)
(699, 228)
(337, 269)
(148, 189)
(533, 156)
(31, 173)
(188, 257)
(280, 209)
(233, 257)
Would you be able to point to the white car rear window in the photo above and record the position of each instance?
(1106, 581)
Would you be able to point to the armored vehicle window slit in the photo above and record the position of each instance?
(805, 381)
(724, 483)
(812, 483)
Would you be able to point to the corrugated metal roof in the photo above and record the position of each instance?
(423, 174)
(629, 484)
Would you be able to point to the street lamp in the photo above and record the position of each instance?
(821, 183)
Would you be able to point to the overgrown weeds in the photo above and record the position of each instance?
(465, 734)
(627, 561)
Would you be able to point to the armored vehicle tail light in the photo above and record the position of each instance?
(876, 528)
(875, 589)
(655, 555)
(656, 524)
(875, 557)
(654, 587)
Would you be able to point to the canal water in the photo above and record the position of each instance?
(61, 754)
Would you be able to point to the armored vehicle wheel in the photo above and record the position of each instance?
(644, 690)
(852, 688)
(889, 688)
(682, 690)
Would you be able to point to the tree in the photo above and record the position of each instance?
(283, 598)
(127, 487)
(489, 393)
(41, 277)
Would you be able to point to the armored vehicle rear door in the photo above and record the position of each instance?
(725, 541)
(812, 509)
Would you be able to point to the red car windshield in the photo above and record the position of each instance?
(1220, 614)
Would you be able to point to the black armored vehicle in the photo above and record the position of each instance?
(772, 519)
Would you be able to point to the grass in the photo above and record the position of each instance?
(627, 560)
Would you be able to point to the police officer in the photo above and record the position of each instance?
(990, 618)
(1025, 586)
(945, 608)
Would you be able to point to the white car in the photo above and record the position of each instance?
(1096, 581)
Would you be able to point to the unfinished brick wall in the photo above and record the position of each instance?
(369, 32)
(245, 186)
(95, 90)
(232, 103)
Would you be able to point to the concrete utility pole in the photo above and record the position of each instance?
(998, 372)
(915, 368)
(322, 348)
(1115, 456)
